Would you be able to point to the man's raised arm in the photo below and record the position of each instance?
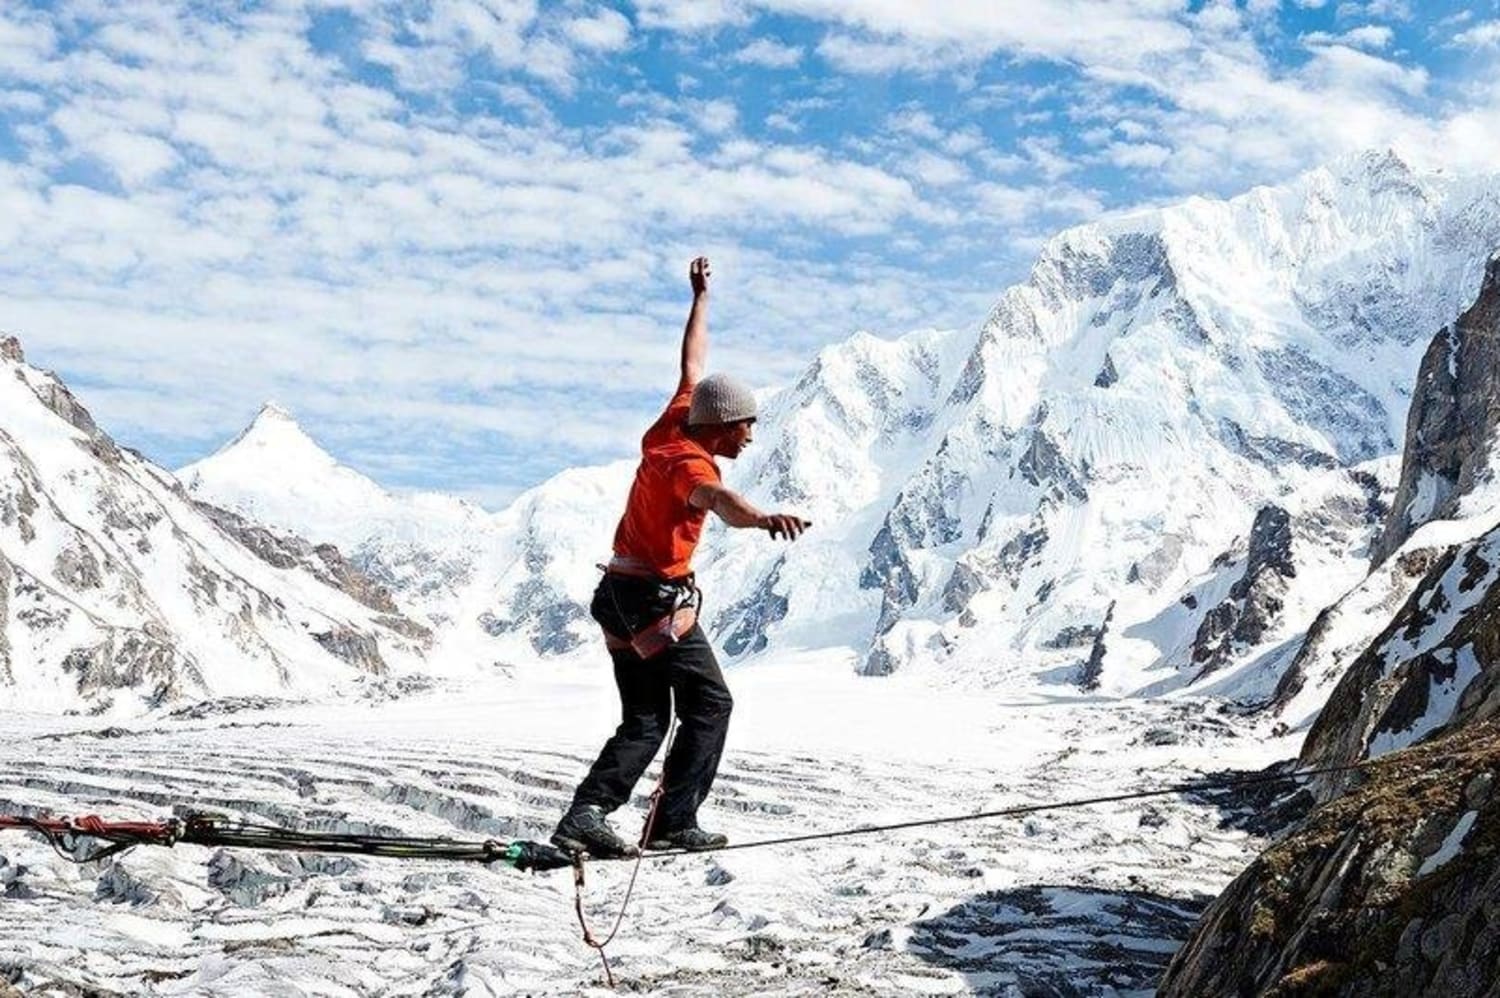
(695, 336)
(735, 510)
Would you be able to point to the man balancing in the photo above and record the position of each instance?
(648, 605)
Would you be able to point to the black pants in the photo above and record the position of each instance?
(686, 670)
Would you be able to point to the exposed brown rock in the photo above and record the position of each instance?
(1387, 688)
(55, 396)
(131, 659)
(290, 551)
(6, 676)
(1356, 901)
(76, 566)
(354, 647)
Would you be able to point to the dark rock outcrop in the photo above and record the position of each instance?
(1255, 600)
(743, 624)
(56, 396)
(142, 659)
(356, 648)
(1391, 886)
(6, 576)
(1107, 375)
(1451, 425)
(1435, 666)
(1043, 465)
(1088, 677)
(1387, 891)
(289, 551)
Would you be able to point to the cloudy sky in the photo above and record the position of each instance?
(452, 236)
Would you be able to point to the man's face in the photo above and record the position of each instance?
(737, 437)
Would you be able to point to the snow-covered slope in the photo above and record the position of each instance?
(1126, 414)
(421, 546)
(1151, 466)
(116, 588)
(495, 588)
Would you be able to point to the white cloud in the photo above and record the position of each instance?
(24, 40)
(716, 117)
(916, 122)
(1483, 35)
(698, 15)
(1138, 156)
(1369, 36)
(1392, 10)
(769, 53)
(606, 31)
(1123, 32)
(936, 171)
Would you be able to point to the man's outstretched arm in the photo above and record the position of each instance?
(695, 336)
(737, 511)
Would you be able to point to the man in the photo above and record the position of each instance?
(647, 604)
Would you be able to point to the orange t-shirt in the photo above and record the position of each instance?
(659, 528)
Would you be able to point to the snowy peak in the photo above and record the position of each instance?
(273, 419)
(115, 589)
(273, 436)
(275, 473)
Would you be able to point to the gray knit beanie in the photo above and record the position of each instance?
(718, 399)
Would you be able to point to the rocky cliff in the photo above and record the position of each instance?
(1390, 890)
(1451, 425)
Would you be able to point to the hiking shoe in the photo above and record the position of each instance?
(583, 829)
(691, 839)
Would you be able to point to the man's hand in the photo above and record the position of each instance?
(783, 525)
(698, 273)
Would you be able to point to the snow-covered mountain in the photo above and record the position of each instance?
(1151, 466)
(495, 588)
(1091, 492)
(117, 588)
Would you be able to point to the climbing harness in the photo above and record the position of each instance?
(655, 637)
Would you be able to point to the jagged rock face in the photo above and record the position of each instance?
(1389, 890)
(6, 578)
(1254, 603)
(356, 648)
(323, 561)
(1088, 679)
(1451, 426)
(118, 592)
(741, 627)
(1435, 666)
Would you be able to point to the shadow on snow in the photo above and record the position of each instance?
(1058, 941)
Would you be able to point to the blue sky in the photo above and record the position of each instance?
(452, 237)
